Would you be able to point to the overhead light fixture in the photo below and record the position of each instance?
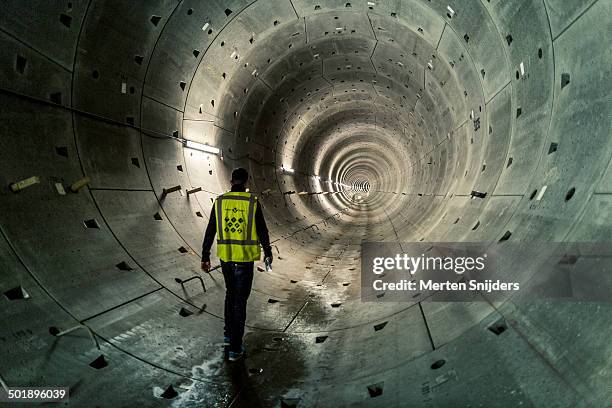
(201, 147)
(287, 169)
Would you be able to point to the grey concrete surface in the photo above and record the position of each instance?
(421, 105)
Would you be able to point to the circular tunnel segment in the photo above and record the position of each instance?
(400, 121)
(339, 102)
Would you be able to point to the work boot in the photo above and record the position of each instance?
(235, 356)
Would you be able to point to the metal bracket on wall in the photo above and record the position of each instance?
(6, 388)
(55, 332)
(193, 191)
(167, 191)
(183, 282)
(78, 185)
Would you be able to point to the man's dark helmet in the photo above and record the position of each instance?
(240, 175)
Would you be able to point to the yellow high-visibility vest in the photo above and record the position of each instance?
(237, 239)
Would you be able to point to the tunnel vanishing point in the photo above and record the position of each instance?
(386, 120)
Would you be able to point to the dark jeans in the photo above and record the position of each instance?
(238, 280)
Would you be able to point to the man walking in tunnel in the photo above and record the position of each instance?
(237, 220)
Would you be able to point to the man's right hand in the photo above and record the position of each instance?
(206, 266)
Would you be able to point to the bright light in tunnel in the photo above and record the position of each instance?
(202, 147)
(287, 169)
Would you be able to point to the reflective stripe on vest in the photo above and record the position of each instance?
(237, 239)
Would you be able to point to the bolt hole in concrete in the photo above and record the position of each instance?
(565, 80)
(553, 148)
(20, 64)
(375, 390)
(123, 266)
(506, 236)
(17, 293)
(99, 363)
(169, 393)
(61, 151)
(184, 312)
(380, 326)
(498, 327)
(92, 223)
(568, 259)
(56, 97)
(66, 20)
(155, 20)
(438, 364)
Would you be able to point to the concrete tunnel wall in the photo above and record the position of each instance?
(421, 104)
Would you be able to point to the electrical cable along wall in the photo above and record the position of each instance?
(470, 121)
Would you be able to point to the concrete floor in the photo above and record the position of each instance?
(413, 103)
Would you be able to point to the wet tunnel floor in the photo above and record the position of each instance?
(295, 367)
(311, 341)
